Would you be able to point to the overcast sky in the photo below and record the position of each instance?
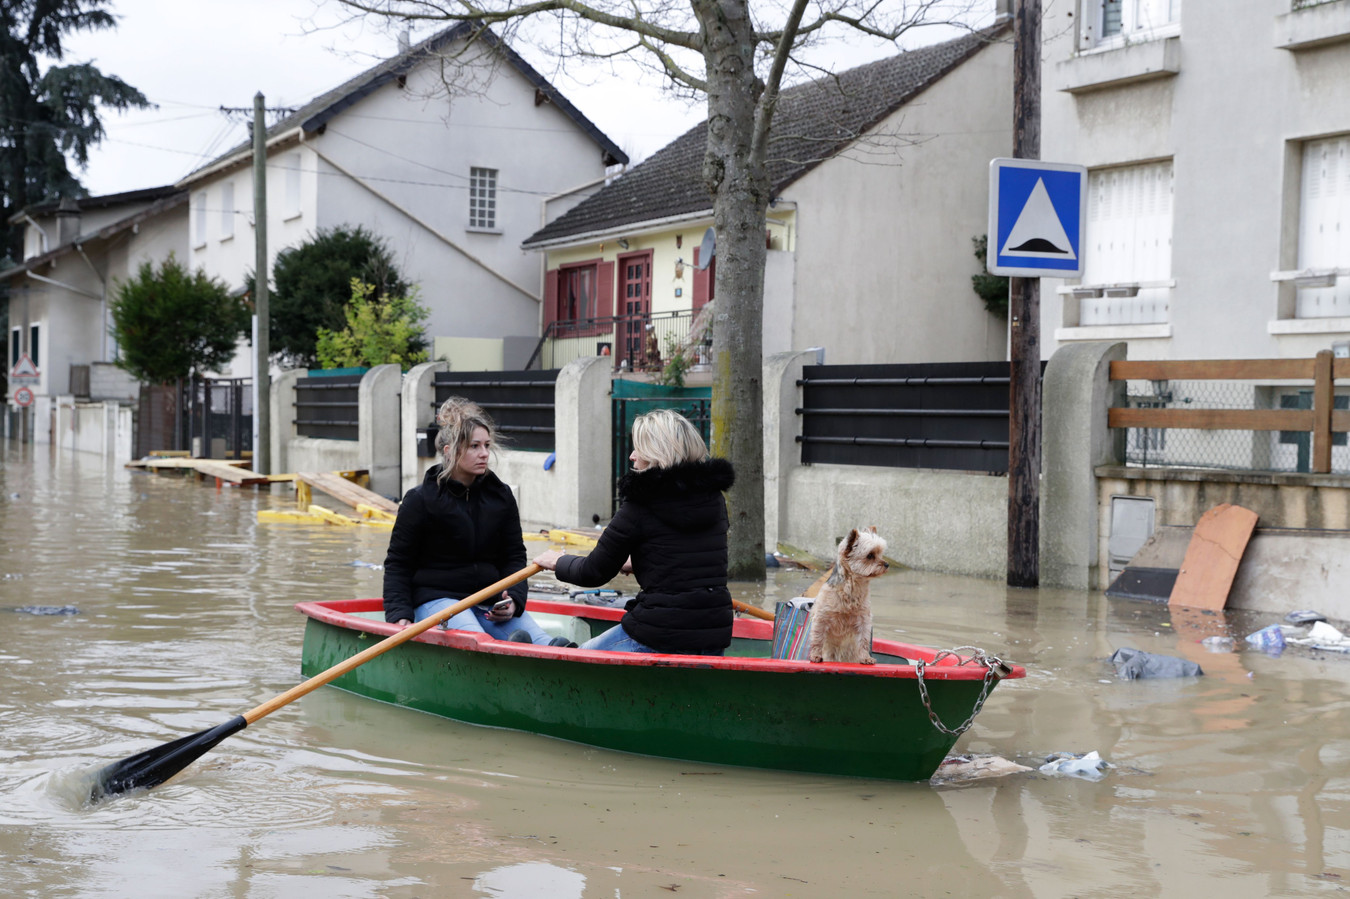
(191, 57)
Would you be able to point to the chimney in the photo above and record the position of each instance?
(67, 221)
(404, 40)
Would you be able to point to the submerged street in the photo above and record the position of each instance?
(177, 615)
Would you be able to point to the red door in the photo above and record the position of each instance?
(636, 294)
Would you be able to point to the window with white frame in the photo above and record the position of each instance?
(1110, 23)
(483, 198)
(227, 210)
(199, 218)
(1324, 226)
(1127, 260)
(291, 164)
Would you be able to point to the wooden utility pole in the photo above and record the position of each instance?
(1024, 315)
(262, 381)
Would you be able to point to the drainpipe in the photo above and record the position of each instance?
(102, 304)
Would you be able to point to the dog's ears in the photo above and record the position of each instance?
(850, 541)
(873, 529)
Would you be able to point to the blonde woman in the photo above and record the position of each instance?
(458, 532)
(672, 523)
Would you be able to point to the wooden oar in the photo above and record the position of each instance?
(153, 767)
(748, 609)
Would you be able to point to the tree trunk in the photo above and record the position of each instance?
(735, 172)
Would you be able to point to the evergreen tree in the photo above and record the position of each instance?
(53, 115)
(314, 283)
(171, 323)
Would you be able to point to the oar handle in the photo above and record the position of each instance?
(754, 611)
(387, 644)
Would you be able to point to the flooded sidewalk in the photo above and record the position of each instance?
(1234, 780)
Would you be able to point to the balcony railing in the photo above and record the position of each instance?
(642, 342)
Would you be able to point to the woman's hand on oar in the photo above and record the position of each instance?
(754, 611)
(152, 767)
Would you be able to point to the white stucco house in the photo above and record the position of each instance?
(1217, 139)
(76, 251)
(454, 151)
(880, 181)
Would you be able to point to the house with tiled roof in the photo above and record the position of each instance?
(880, 179)
(76, 250)
(454, 151)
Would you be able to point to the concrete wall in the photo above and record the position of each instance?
(104, 428)
(1075, 440)
(377, 448)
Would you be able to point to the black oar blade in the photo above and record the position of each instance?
(154, 766)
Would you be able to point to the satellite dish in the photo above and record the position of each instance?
(707, 249)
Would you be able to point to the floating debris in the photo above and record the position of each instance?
(1090, 766)
(48, 610)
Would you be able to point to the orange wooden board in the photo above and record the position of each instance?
(1211, 561)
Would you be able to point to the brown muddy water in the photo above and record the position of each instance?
(1238, 781)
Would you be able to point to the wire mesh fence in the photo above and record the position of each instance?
(1278, 451)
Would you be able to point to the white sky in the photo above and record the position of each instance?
(190, 57)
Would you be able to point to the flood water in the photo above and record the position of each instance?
(1236, 781)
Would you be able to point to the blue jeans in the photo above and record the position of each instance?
(476, 620)
(616, 639)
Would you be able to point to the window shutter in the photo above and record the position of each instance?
(702, 283)
(1324, 225)
(604, 290)
(550, 297)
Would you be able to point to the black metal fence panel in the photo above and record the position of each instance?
(520, 402)
(941, 415)
(329, 406)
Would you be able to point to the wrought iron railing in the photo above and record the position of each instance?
(642, 342)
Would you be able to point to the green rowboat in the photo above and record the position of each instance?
(743, 708)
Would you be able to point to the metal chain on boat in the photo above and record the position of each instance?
(994, 669)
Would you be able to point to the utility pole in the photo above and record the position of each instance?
(1024, 315)
(262, 382)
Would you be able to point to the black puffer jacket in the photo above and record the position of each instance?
(451, 541)
(673, 522)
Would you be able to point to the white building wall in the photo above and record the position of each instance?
(1232, 118)
(884, 251)
(399, 161)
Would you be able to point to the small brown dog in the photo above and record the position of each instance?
(841, 619)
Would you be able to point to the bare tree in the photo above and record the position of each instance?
(738, 58)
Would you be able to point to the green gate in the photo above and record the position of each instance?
(632, 398)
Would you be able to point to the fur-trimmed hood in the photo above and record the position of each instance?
(687, 496)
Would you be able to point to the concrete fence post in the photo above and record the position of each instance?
(378, 431)
(582, 440)
(1075, 399)
(282, 412)
(781, 453)
(416, 404)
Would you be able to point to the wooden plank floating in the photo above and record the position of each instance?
(231, 470)
(341, 488)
